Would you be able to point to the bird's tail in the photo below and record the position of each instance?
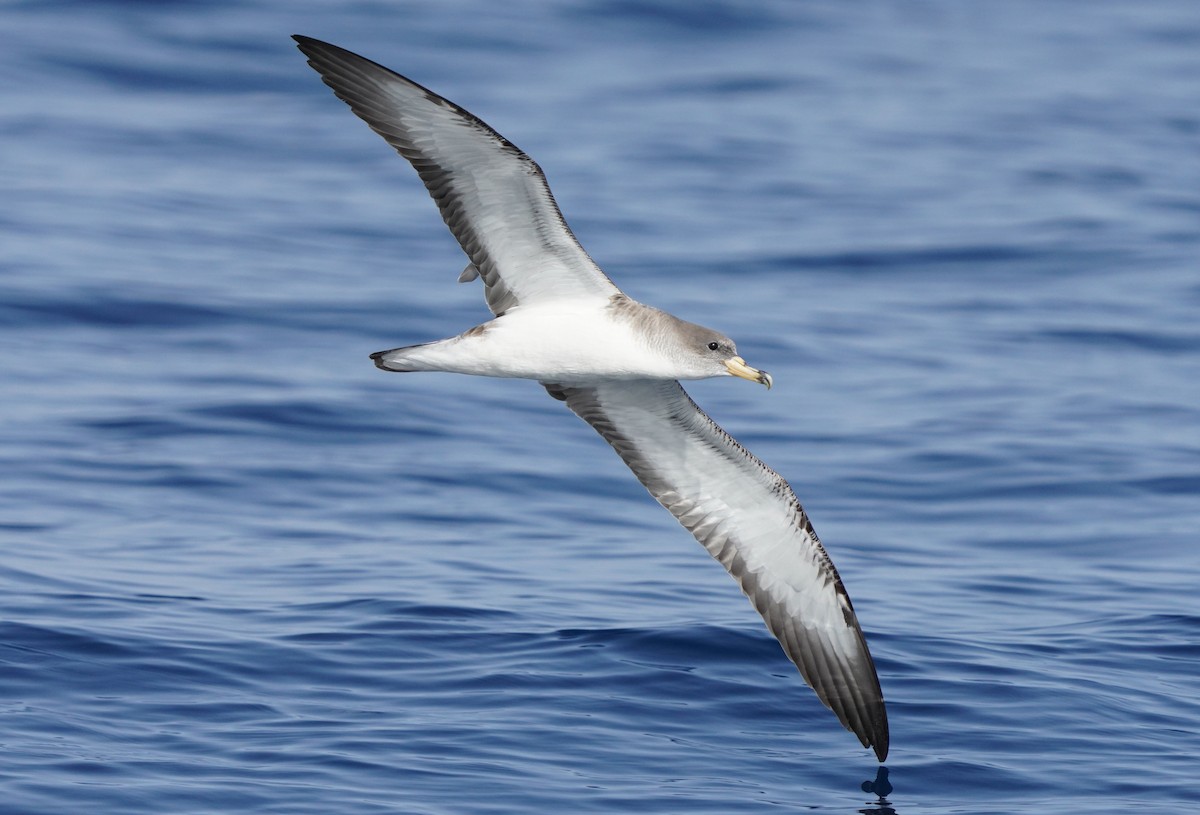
(399, 360)
(464, 354)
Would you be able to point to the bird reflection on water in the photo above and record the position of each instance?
(882, 787)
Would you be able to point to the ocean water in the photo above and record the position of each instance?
(243, 571)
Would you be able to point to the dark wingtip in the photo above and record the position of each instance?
(309, 47)
(313, 48)
(880, 741)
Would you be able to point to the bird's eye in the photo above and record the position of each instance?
(712, 346)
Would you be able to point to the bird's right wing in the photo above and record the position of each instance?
(748, 518)
(494, 197)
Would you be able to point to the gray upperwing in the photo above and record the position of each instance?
(749, 519)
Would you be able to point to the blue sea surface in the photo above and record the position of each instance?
(243, 571)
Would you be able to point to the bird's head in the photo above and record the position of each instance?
(714, 354)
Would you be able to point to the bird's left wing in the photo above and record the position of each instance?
(748, 518)
(494, 197)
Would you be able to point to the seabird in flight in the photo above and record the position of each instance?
(616, 363)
